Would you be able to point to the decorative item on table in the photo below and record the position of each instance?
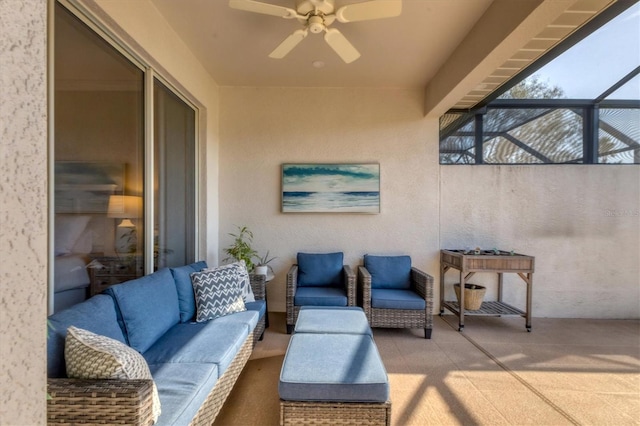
(262, 265)
(477, 250)
(473, 295)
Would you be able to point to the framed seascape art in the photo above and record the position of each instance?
(331, 188)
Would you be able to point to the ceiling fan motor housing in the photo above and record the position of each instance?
(305, 6)
(316, 24)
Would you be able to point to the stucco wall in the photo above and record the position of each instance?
(262, 128)
(580, 222)
(23, 211)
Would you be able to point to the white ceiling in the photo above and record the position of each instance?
(404, 51)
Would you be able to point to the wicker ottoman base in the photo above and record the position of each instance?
(334, 413)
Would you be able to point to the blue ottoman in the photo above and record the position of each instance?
(332, 319)
(333, 379)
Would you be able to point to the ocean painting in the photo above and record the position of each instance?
(331, 188)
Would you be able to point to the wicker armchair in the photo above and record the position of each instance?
(347, 288)
(421, 284)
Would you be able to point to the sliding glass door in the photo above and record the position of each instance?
(104, 205)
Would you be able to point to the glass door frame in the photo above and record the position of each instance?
(150, 73)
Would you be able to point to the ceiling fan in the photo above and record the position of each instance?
(317, 15)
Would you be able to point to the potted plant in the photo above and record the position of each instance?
(241, 248)
(262, 264)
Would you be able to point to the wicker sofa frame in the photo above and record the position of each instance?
(79, 401)
(421, 283)
(349, 280)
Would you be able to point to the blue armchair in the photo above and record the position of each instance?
(394, 294)
(318, 280)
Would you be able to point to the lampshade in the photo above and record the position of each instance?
(124, 206)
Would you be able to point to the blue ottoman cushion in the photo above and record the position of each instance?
(332, 319)
(333, 367)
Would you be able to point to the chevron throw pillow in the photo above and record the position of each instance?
(92, 356)
(243, 279)
(217, 292)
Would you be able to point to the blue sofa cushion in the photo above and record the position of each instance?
(216, 342)
(182, 389)
(333, 367)
(259, 306)
(389, 271)
(332, 319)
(186, 298)
(317, 270)
(97, 315)
(148, 306)
(320, 296)
(396, 299)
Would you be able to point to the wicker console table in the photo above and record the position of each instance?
(468, 263)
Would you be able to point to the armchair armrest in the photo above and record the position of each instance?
(364, 290)
(422, 283)
(106, 401)
(258, 286)
(349, 278)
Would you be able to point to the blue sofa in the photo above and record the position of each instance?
(194, 365)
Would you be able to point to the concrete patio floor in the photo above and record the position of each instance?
(566, 371)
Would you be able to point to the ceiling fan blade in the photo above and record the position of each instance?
(288, 44)
(375, 9)
(341, 45)
(264, 8)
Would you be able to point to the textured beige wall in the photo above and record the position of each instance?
(23, 211)
(581, 223)
(262, 128)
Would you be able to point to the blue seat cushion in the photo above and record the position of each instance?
(186, 298)
(214, 342)
(333, 367)
(332, 319)
(97, 314)
(396, 299)
(259, 306)
(320, 296)
(148, 307)
(389, 271)
(320, 269)
(182, 388)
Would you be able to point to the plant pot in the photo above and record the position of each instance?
(473, 295)
(261, 270)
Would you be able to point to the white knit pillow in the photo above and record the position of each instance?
(91, 356)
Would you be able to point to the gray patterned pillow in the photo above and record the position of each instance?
(218, 293)
(243, 279)
(91, 356)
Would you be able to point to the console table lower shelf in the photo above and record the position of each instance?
(488, 309)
